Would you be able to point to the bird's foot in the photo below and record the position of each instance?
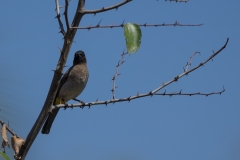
(80, 102)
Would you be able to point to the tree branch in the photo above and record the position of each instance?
(104, 9)
(69, 36)
(153, 92)
(177, 1)
(189, 94)
(66, 14)
(117, 74)
(190, 62)
(141, 25)
(59, 18)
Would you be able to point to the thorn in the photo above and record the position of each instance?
(180, 91)
(150, 93)
(98, 25)
(59, 50)
(176, 78)
(176, 23)
(138, 94)
(89, 105)
(164, 92)
(122, 23)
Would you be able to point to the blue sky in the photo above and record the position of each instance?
(176, 128)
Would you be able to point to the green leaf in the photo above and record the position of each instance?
(133, 35)
(4, 156)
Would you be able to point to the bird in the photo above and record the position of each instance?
(71, 85)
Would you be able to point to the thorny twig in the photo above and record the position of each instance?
(66, 14)
(59, 18)
(177, 1)
(188, 94)
(190, 61)
(117, 74)
(153, 92)
(141, 25)
(105, 8)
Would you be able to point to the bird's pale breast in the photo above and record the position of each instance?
(76, 82)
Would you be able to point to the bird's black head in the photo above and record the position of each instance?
(79, 57)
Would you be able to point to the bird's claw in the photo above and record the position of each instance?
(83, 104)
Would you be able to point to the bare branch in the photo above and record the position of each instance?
(185, 1)
(187, 72)
(104, 9)
(81, 105)
(189, 94)
(141, 25)
(59, 18)
(66, 14)
(69, 37)
(117, 74)
(153, 92)
(190, 62)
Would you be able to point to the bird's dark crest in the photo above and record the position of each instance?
(79, 57)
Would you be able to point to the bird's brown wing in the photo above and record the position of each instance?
(48, 123)
(63, 80)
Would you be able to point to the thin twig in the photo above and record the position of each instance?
(117, 74)
(132, 98)
(189, 94)
(141, 25)
(185, 1)
(59, 18)
(66, 14)
(104, 9)
(151, 93)
(190, 61)
(187, 72)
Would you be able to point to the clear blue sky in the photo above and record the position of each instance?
(176, 128)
